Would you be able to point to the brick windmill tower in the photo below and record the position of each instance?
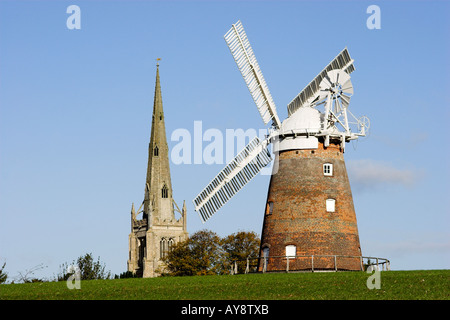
(309, 220)
(155, 231)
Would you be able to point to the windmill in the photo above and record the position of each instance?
(309, 204)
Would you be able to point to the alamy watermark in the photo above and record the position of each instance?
(374, 281)
(374, 20)
(212, 146)
(74, 20)
(74, 280)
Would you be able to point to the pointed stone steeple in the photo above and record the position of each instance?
(158, 204)
(153, 236)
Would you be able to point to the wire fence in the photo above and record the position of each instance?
(311, 263)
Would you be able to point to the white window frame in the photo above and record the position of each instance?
(328, 169)
(291, 251)
(331, 205)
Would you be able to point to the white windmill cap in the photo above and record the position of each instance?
(305, 118)
(295, 130)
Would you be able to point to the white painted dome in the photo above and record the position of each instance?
(305, 118)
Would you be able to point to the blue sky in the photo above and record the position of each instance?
(75, 116)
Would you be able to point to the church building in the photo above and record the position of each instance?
(154, 227)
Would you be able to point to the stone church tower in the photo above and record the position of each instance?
(157, 230)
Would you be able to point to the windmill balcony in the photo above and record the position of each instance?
(308, 263)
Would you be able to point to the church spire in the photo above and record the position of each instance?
(153, 236)
(157, 102)
(158, 188)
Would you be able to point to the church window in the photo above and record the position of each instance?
(165, 246)
(170, 244)
(156, 151)
(165, 192)
(162, 248)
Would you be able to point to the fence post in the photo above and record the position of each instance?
(265, 264)
(235, 267)
(312, 263)
(335, 263)
(247, 268)
(362, 266)
(287, 264)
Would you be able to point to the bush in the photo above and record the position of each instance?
(198, 255)
(89, 269)
(205, 253)
(3, 274)
(125, 275)
(240, 246)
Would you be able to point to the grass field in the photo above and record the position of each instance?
(401, 285)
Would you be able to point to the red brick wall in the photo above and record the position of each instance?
(299, 191)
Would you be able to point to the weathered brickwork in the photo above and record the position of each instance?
(299, 216)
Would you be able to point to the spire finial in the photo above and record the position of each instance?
(157, 61)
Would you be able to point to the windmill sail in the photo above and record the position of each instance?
(242, 52)
(246, 165)
(309, 93)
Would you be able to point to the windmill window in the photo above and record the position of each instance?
(165, 192)
(266, 252)
(270, 207)
(327, 169)
(291, 251)
(156, 151)
(331, 205)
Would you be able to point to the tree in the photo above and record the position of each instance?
(240, 246)
(89, 270)
(206, 253)
(26, 276)
(3, 274)
(201, 254)
(179, 261)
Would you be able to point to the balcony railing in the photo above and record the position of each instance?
(312, 263)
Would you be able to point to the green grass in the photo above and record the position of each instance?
(403, 285)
